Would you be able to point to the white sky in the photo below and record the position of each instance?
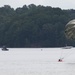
(64, 4)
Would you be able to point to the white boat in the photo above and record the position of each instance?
(67, 47)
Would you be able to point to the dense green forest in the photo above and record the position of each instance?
(34, 26)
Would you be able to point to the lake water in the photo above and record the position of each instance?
(37, 61)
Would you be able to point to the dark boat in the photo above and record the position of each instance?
(4, 48)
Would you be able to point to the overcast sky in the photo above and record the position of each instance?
(63, 4)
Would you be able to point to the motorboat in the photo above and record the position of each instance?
(4, 48)
(67, 47)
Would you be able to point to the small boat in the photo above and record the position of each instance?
(4, 48)
(67, 47)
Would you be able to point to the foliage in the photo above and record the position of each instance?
(34, 26)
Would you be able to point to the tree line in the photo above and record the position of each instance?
(34, 26)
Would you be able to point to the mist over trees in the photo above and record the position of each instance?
(34, 26)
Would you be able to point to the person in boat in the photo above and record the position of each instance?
(60, 60)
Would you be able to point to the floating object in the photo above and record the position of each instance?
(67, 47)
(70, 30)
(4, 48)
(60, 60)
(41, 49)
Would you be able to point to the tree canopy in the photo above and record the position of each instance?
(34, 26)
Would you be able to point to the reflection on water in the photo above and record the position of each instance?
(34, 61)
